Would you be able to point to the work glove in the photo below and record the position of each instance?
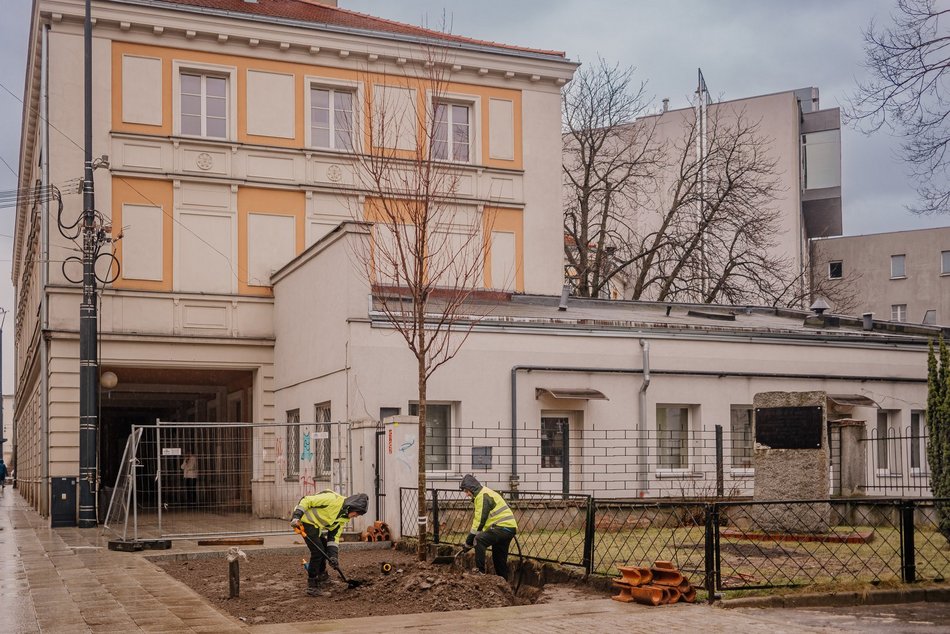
(333, 556)
(470, 541)
(295, 523)
(466, 548)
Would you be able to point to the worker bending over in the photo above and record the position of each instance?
(323, 517)
(493, 526)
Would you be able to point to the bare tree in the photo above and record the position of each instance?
(609, 165)
(909, 62)
(427, 251)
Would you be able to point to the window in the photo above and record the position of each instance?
(898, 312)
(945, 262)
(672, 424)
(888, 447)
(918, 441)
(451, 138)
(331, 118)
(740, 428)
(438, 434)
(293, 444)
(835, 270)
(930, 317)
(897, 266)
(552, 441)
(204, 105)
(321, 440)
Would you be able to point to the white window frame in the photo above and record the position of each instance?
(899, 312)
(890, 444)
(687, 469)
(832, 277)
(450, 436)
(180, 67)
(292, 475)
(734, 470)
(903, 261)
(474, 103)
(359, 111)
(945, 263)
(923, 437)
(322, 471)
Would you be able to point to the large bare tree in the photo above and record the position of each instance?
(427, 251)
(909, 65)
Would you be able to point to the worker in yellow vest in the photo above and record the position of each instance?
(493, 526)
(323, 517)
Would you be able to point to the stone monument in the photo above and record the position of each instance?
(791, 460)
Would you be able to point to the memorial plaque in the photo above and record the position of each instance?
(789, 427)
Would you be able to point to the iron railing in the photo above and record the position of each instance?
(897, 463)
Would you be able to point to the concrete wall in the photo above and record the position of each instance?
(866, 261)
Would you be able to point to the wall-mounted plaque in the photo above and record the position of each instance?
(789, 427)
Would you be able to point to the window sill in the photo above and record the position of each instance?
(742, 473)
(888, 474)
(212, 139)
(899, 277)
(676, 474)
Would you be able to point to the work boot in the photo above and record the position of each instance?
(323, 576)
(313, 588)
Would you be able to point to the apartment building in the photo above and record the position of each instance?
(900, 276)
(227, 132)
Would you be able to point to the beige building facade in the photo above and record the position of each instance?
(227, 142)
(901, 276)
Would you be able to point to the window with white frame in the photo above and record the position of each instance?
(945, 262)
(897, 266)
(321, 440)
(203, 105)
(672, 425)
(740, 433)
(293, 444)
(331, 118)
(452, 134)
(898, 312)
(887, 451)
(918, 441)
(835, 270)
(553, 431)
(438, 434)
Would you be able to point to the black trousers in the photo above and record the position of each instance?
(498, 539)
(318, 561)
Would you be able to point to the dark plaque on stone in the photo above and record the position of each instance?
(789, 427)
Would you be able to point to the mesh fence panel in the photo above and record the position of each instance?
(931, 546)
(551, 527)
(204, 480)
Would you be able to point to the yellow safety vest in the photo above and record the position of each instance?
(499, 515)
(323, 511)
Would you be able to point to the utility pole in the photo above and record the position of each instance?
(88, 363)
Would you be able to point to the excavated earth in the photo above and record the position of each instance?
(273, 587)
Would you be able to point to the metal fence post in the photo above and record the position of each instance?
(589, 532)
(720, 485)
(402, 515)
(712, 527)
(908, 552)
(435, 516)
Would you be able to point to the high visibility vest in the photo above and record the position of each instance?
(499, 515)
(323, 511)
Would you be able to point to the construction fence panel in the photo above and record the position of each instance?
(551, 527)
(192, 480)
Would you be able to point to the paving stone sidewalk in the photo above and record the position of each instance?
(66, 580)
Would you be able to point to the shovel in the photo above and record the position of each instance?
(350, 583)
(448, 559)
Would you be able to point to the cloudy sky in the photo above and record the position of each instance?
(745, 48)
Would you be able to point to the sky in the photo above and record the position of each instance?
(744, 47)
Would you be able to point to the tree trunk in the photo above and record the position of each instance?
(423, 510)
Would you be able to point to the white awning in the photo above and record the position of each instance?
(571, 393)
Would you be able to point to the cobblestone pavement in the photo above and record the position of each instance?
(66, 580)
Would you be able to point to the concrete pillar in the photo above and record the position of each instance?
(401, 469)
(854, 456)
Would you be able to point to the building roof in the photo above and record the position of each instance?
(321, 14)
(541, 312)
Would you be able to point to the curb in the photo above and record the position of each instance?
(831, 599)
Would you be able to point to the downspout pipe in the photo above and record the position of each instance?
(514, 479)
(644, 386)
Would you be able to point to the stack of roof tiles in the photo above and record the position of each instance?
(658, 585)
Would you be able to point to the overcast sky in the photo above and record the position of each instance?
(745, 48)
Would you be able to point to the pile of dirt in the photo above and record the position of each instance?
(273, 587)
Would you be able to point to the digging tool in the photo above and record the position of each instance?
(448, 559)
(350, 583)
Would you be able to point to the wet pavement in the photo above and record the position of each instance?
(66, 580)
